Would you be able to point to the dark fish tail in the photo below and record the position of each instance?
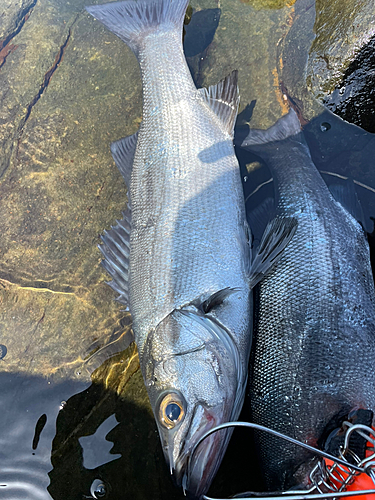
(287, 126)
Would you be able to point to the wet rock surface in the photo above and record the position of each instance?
(342, 29)
(293, 57)
(13, 15)
(327, 58)
(354, 99)
(59, 186)
(68, 88)
(248, 39)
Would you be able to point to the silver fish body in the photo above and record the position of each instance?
(185, 273)
(314, 335)
(188, 223)
(188, 241)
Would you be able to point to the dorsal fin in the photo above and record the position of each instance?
(123, 152)
(115, 249)
(223, 98)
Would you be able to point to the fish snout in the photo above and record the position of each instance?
(193, 466)
(200, 474)
(204, 459)
(177, 465)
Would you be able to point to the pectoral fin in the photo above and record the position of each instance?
(217, 298)
(276, 237)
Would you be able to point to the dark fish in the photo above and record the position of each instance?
(314, 347)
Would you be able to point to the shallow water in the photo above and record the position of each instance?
(77, 427)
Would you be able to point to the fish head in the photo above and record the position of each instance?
(194, 379)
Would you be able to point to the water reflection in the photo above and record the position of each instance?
(29, 407)
(97, 448)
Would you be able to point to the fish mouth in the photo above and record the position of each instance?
(195, 468)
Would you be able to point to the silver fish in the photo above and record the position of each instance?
(185, 269)
(313, 352)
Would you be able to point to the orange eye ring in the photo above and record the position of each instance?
(171, 410)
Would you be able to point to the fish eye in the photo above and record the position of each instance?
(171, 410)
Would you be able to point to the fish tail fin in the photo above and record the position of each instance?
(132, 21)
(287, 126)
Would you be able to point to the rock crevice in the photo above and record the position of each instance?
(18, 21)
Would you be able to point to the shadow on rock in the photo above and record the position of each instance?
(199, 35)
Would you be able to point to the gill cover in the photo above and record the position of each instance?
(186, 346)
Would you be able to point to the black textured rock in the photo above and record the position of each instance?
(343, 28)
(354, 98)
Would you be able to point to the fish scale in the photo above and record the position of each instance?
(314, 332)
(185, 196)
